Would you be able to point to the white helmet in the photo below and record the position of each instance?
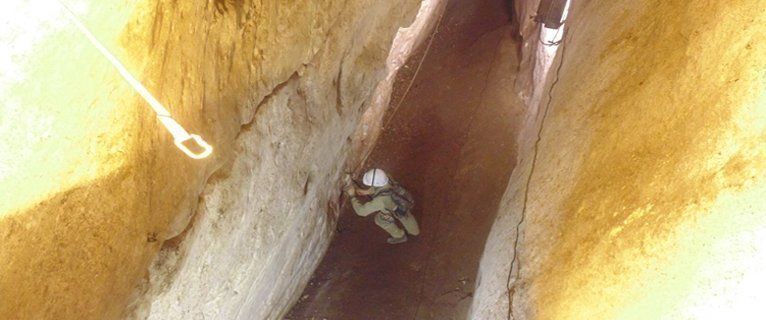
(375, 178)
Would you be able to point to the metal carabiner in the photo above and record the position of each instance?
(180, 135)
(207, 149)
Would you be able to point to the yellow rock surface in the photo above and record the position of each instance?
(92, 184)
(648, 197)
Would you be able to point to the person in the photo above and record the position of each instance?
(384, 198)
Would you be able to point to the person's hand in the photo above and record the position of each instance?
(350, 190)
(348, 186)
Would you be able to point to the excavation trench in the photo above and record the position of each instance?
(449, 136)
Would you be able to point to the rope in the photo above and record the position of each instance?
(417, 70)
(511, 288)
(180, 135)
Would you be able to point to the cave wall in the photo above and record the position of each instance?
(100, 209)
(647, 192)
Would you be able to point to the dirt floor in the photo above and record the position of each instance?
(449, 138)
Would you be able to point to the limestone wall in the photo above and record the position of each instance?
(94, 192)
(647, 196)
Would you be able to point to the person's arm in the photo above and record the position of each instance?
(367, 208)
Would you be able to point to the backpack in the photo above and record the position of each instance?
(401, 197)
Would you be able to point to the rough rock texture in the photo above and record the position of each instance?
(277, 87)
(647, 191)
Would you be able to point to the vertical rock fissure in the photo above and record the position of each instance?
(452, 143)
(470, 123)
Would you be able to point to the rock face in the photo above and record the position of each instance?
(639, 191)
(643, 195)
(278, 89)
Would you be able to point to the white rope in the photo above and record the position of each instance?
(180, 135)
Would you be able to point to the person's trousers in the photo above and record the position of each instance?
(388, 223)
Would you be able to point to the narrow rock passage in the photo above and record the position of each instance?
(452, 143)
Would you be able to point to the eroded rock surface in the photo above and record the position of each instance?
(277, 87)
(647, 195)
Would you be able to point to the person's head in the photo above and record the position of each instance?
(374, 179)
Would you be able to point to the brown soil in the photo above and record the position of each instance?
(451, 141)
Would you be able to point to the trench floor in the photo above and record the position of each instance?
(449, 138)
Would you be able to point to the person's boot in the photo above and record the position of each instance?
(401, 239)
